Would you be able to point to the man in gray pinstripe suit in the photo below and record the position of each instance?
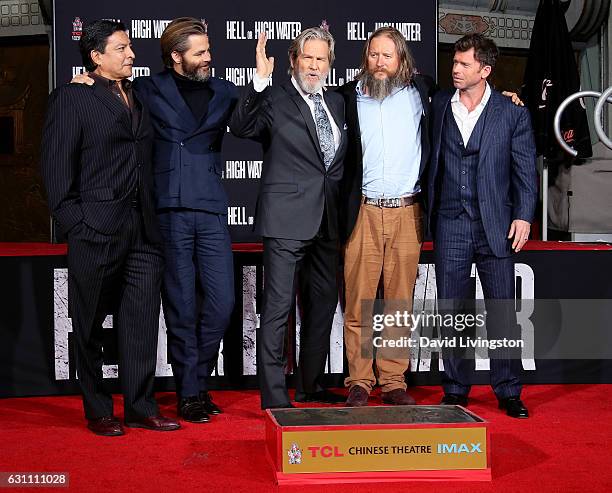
(482, 198)
(96, 165)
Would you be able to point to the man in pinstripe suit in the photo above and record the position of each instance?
(482, 199)
(96, 164)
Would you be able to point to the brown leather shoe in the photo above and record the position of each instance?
(398, 397)
(358, 397)
(155, 423)
(107, 426)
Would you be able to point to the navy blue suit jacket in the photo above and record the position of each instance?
(507, 180)
(187, 163)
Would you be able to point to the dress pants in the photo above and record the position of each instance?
(384, 241)
(119, 274)
(198, 250)
(459, 242)
(313, 265)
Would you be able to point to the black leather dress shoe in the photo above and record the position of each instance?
(323, 396)
(514, 407)
(107, 426)
(155, 423)
(454, 400)
(191, 409)
(209, 406)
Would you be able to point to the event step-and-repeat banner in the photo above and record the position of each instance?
(233, 29)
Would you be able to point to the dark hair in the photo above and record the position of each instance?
(94, 38)
(406, 61)
(485, 49)
(176, 37)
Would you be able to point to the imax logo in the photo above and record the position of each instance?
(459, 448)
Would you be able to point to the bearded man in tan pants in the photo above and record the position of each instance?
(387, 113)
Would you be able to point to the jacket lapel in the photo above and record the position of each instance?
(168, 90)
(306, 115)
(439, 122)
(422, 89)
(426, 104)
(112, 103)
(216, 108)
(337, 114)
(489, 129)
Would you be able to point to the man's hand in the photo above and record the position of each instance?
(82, 79)
(515, 99)
(519, 229)
(265, 65)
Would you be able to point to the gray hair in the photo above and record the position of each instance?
(297, 45)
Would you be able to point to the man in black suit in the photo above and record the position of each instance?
(387, 114)
(482, 200)
(301, 128)
(96, 164)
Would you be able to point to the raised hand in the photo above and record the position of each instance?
(82, 79)
(265, 65)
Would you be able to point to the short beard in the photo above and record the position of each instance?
(307, 87)
(192, 72)
(379, 89)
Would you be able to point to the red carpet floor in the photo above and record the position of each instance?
(564, 446)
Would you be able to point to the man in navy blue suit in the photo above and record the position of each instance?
(190, 110)
(482, 198)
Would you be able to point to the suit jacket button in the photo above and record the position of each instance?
(211, 148)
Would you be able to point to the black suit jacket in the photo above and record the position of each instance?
(352, 180)
(92, 161)
(296, 191)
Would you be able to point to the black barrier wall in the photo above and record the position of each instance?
(233, 30)
(37, 350)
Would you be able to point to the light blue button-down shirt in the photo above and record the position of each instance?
(391, 142)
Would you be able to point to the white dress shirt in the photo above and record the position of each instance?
(259, 84)
(466, 120)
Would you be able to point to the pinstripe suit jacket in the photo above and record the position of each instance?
(92, 160)
(506, 174)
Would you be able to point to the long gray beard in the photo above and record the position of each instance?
(379, 89)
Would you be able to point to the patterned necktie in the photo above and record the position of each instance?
(324, 130)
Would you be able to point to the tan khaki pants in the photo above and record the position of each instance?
(384, 241)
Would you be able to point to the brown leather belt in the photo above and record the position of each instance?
(393, 203)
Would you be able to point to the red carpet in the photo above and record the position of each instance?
(562, 447)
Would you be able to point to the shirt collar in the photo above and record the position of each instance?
(301, 92)
(126, 83)
(483, 101)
